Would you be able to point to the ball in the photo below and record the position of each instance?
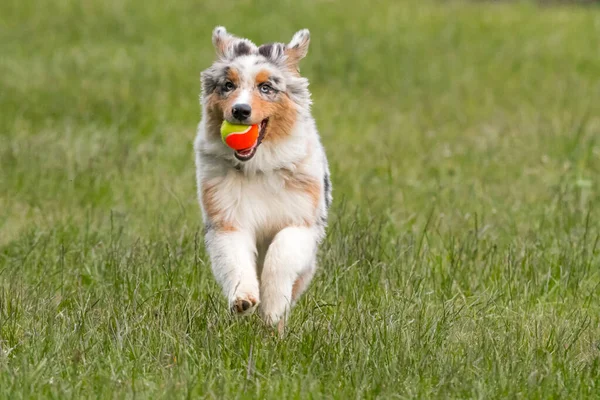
(239, 137)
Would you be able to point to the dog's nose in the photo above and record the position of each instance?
(241, 111)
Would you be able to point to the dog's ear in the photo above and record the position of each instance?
(297, 49)
(222, 40)
(229, 46)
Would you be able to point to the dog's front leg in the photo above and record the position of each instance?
(233, 258)
(289, 266)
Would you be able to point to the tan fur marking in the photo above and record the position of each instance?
(262, 77)
(308, 185)
(226, 227)
(281, 114)
(233, 76)
(214, 116)
(296, 288)
(212, 210)
(218, 109)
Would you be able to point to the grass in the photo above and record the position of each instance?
(463, 256)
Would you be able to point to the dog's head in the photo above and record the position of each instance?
(250, 84)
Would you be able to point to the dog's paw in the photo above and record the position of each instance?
(273, 316)
(244, 305)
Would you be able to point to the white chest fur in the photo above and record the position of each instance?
(262, 203)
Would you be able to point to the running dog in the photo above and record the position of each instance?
(265, 207)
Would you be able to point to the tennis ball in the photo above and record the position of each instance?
(239, 137)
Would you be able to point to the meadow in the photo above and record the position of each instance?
(463, 254)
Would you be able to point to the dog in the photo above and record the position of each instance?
(264, 208)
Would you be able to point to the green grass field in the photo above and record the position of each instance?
(463, 255)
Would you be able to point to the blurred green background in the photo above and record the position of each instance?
(462, 258)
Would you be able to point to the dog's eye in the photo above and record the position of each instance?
(228, 86)
(266, 89)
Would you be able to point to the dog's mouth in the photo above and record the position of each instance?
(247, 154)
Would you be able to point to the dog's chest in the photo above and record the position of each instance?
(267, 202)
